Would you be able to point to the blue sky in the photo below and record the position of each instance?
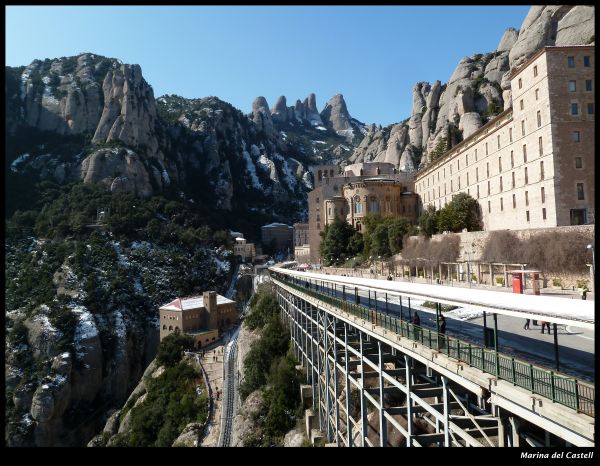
(372, 55)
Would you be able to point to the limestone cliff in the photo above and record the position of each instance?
(477, 90)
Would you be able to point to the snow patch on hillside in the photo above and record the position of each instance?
(251, 170)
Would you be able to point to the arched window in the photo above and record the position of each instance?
(176, 328)
(164, 327)
(170, 328)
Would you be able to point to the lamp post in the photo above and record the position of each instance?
(589, 246)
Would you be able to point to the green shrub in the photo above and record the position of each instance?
(500, 280)
(170, 350)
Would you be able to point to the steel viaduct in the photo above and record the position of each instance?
(376, 379)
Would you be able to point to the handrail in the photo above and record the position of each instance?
(561, 389)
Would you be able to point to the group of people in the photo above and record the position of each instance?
(544, 325)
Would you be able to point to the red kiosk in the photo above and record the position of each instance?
(519, 277)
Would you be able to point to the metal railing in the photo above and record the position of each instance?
(559, 388)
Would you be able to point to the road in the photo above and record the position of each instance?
(576, 346)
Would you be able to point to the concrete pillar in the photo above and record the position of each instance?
(382, 420)
(408, 401)
(446, 413)
(348, 422)
(363, 401)
(335, 386)
(505, 276)
(514, 427)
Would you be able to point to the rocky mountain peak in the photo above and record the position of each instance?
(261, 115)
(508, 40)
(335, 114)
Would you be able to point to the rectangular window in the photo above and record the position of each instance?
(522, 127)
(498, 139)
(543, 194)
(524, 153)
(439, 191)
(527, 215)
(544, 213)
(501, 184)
(513, 180)
(477, 191)
(514, 201)
(489, 207)
(541, 170)
(572, 86)
(458, 165)
(451, 188)
(512, 159)
(451, 169)
(487, 169)
(588, 85)
(526, 198)
(520, 83)
(540, 146)
(438, 176)
(445, 189)
(499, 164)
(576, 136)
(535, 71)
(571, 62)
(486, 148)
(476, 173)
(580, 195)
(501, 205)
(590, 108)
(488, 188)
(574, 109)
(578, 162)
(537, 94)
(467, 178)
(526, 178)
(459, 182)
(521, 104)
(475, 155)
(586, 61)
(539, 118)
(510, 134)
(467, 160)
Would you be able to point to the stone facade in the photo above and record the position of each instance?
(300, 234)
(243, 249)
(201, 317)
(379, 186)
(533, 165)
(282, 234)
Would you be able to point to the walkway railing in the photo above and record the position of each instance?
(559, 388)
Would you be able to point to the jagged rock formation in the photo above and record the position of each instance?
(335, 114)
(140, 145)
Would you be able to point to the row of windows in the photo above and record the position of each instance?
(572, 86)
(431, 195)
(570, 63)
(575, 108)
(575, 137)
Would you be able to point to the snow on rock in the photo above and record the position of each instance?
(222, 266)
(137, 286)
(20, 159)
(121, 257)
(251, 170)
(321, 128)
(86, 328)
(264, 162)
(319, 142)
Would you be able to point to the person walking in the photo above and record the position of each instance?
(545, 324)
(416, 321)
(442, 324)
(526, 326)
